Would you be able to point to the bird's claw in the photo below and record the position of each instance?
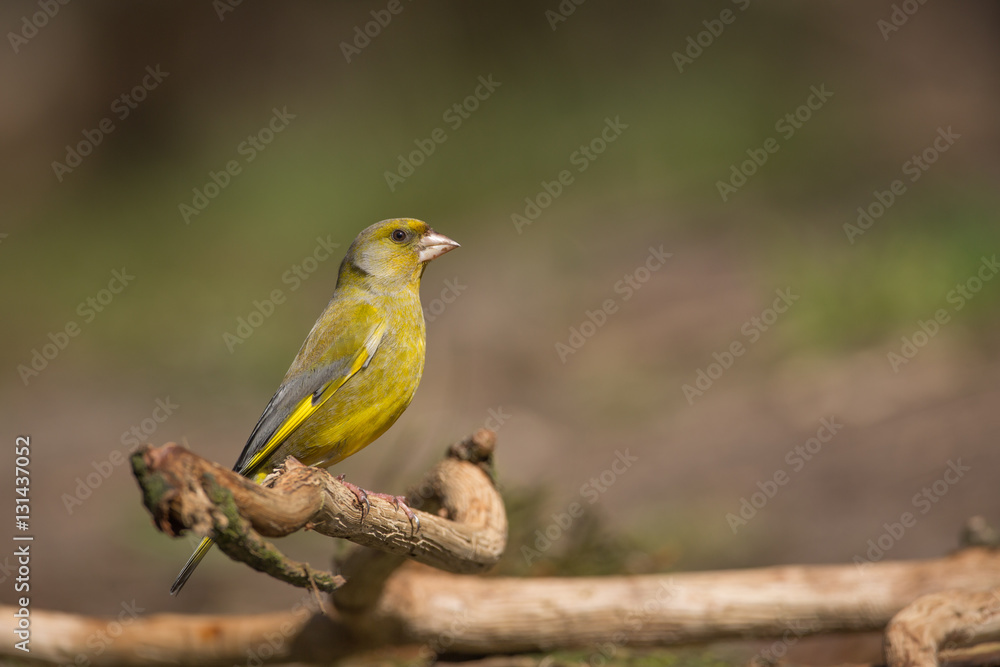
(398, 501)
(360, 494)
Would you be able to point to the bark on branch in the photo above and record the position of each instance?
(472, 615)
(467, 534)
(940, 622)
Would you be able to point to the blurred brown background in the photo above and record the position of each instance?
(513, 292)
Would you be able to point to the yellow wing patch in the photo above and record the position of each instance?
(313, 402)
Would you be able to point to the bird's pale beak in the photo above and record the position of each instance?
(433, 245)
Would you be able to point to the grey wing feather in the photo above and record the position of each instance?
(289, 395)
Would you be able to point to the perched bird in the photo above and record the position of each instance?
(358, 367)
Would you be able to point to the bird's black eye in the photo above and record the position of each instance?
(398, 235)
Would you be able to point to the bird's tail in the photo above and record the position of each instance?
(189, 566)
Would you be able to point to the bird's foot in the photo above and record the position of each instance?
(366, 506)
(360, 494)
(400, 503)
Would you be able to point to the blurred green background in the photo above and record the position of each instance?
(512, 292)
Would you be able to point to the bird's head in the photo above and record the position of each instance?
(393, 253)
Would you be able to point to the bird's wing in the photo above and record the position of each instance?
(352, 347)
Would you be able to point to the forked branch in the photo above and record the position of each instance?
(467, 533)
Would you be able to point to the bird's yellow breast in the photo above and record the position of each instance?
(372, 399)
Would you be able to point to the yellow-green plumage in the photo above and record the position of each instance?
(360, 364)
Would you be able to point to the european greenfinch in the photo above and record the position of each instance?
(359, 366)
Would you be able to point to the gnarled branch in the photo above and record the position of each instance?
(940, 622)
(467, 534)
